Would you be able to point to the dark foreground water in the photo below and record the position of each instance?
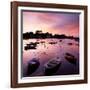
(46, 51)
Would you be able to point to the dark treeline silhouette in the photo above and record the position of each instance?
(40, 35)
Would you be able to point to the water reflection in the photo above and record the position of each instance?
(47, 49)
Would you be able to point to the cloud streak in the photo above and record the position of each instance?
(63, 23)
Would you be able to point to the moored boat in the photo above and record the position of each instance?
(31, 46)
(60, 41)
(32, 66)
(52, 42)
(42, 42)
(71, 58)
(52, 66)
(70, 43)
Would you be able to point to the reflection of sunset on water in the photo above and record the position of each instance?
(46, 51)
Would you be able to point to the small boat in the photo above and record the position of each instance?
(31, 46)
(52, 66)
(42, 42)
(70, 43)
(60, 41)
(32, 66)
(37, 42)
(70, 58)
(52, 42)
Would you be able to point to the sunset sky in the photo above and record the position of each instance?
(55, 23)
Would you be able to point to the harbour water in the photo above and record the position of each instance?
(47, 49)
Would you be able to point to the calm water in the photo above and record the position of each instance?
(46, 51)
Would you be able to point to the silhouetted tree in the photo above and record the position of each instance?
(39, 34)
